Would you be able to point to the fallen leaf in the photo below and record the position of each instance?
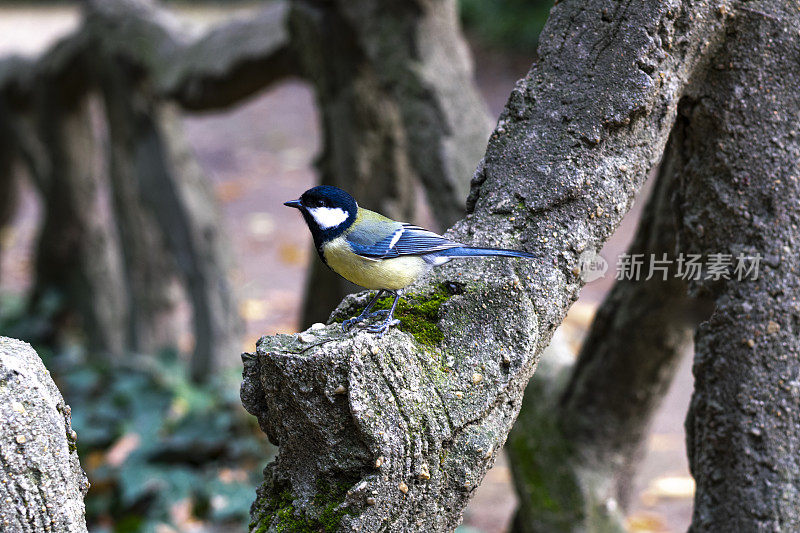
(646, 523)
(661, 442)
(95, 460)
(581, 314)
(230, 475)
(254, 309)
(228, 191)
(122, 448)
(671, 487)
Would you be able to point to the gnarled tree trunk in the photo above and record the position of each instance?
(76, 261)
(393, 434)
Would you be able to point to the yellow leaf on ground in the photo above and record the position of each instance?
(668, 442)
(646, 523)
(581, 314)
(254, 309)
(670, 487)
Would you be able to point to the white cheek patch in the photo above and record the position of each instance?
(328, 217)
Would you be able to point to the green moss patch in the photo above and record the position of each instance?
(551, 489)
(279, 512)
(419, 314)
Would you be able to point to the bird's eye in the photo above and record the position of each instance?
(320, 203)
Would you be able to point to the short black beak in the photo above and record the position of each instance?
(293, 203)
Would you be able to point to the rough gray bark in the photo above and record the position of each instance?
(43, 484)
(578, 437)
(399, 106)
(419, 418)
(739, 194)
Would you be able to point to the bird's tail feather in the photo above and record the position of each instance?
(467, 251)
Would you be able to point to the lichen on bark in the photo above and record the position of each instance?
(42, 484)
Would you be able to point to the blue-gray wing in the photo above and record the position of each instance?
(402, 239)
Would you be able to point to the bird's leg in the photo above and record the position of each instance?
(390, 321)
(364, 314)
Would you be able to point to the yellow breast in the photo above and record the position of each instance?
(391, 274)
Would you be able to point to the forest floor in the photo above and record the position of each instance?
(260, 154)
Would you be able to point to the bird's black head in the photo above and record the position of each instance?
(327, 210)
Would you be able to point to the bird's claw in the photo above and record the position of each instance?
(383, 327)
(350, 322)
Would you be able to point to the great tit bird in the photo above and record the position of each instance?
(376, 252)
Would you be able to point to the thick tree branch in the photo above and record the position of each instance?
(576, 442)
(404, 427)
(231, 61)
(212, 70)
(739, 195)
(43, 484)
